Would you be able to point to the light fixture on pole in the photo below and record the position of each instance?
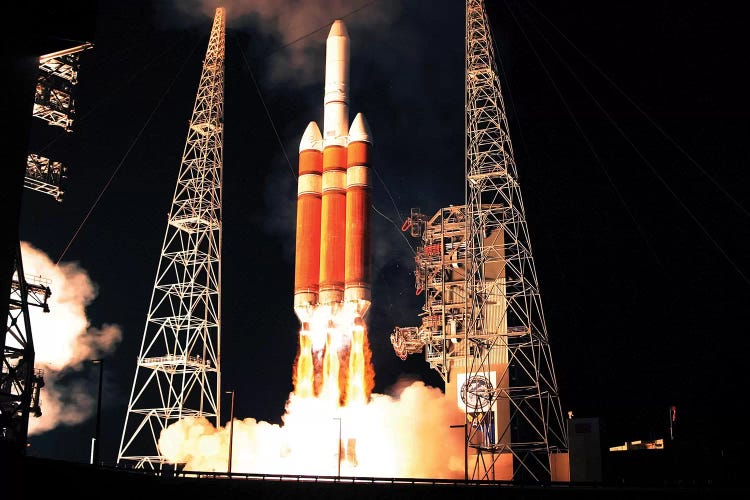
(231, 430)
(466, 448)
(338, 444)
(97, 434)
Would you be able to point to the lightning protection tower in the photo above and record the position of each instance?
(483, 327)
(505, 327)
(178, 371)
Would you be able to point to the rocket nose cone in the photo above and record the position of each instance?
(360, 130)
(311, 138)
(338, 29)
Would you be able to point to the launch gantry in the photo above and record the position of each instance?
(20, 381)
(483, 326)
(178, 371)
(54, 102)
(440, 276)
(58, 75)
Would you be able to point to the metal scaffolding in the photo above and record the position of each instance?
(20, 382)
(178, 372)
(536, 430)
(483, 326)
(54, 103)
(44, 175)
(58, 75)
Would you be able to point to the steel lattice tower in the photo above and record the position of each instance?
(20, 381)
(536, 432)
(178, 372)
(483, 327)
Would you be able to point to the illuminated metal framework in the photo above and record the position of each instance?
(54, 103)
(178, 369)
(58, 75)
(44, 175)
(494, 205)
(20, 382)
(440, 275)
(483, 326)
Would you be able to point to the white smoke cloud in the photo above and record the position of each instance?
(301, 25)
(404, 435)
(64, 339)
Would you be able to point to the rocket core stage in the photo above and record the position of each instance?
(333, 260)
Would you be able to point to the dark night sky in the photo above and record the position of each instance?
(629, 126)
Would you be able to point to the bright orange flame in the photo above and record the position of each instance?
(331, 390)
(333, 421)
(304, 369)
(342, 374)
(405, 435)
(355, 391)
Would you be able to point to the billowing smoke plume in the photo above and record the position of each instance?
(64, 339)
(405, 435)
(295, 22)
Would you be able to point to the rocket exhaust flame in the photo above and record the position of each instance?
(356, 390)
(331, 364)
(333, 361)
(304, 369)
(405, 435)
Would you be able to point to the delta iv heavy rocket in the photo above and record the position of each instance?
(332, 290)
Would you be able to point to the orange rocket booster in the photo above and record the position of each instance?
(358, 257)
(307, 253)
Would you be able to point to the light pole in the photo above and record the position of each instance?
(338, 444)
(231, 430)
(466, 448)
(95, 443)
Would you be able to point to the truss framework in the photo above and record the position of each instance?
(58, 75)
(44, 175)
(494, 205)
(20, 382)
(178, 372)
(54, 103)
(483, 319)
